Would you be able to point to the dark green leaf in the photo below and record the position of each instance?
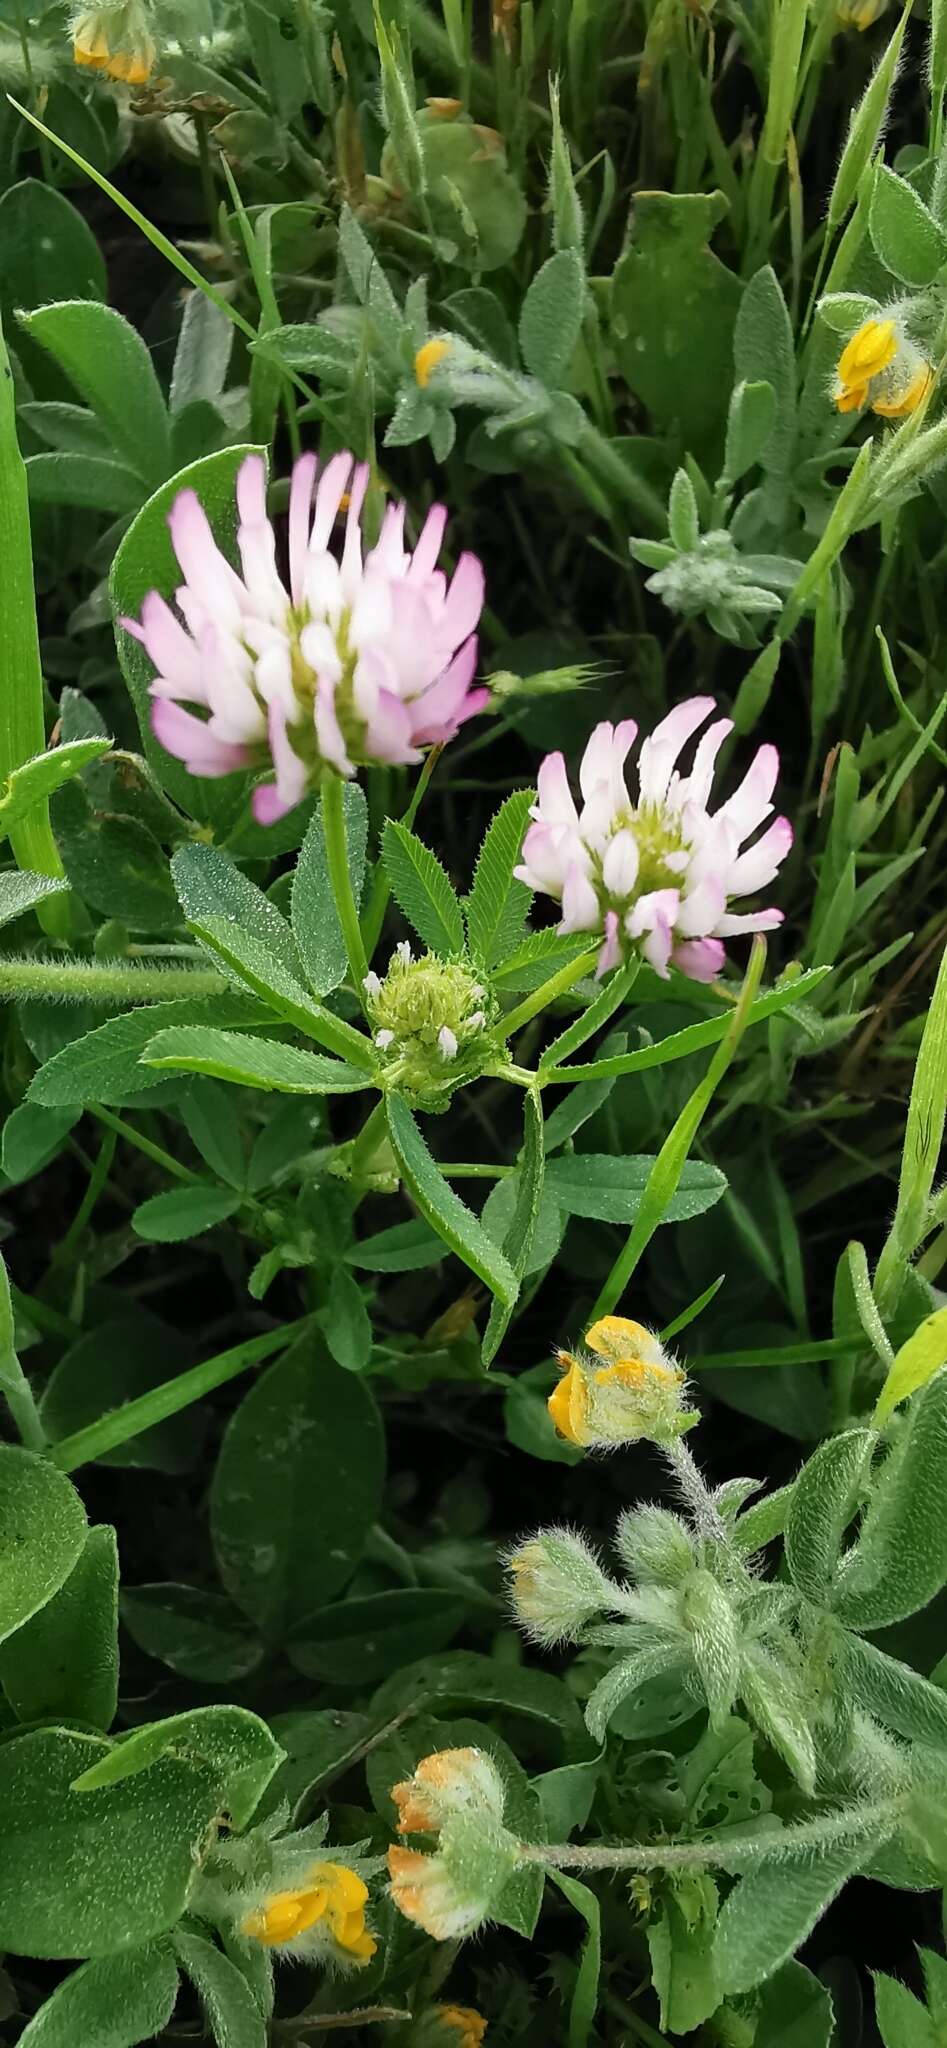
(113, 2002)
(610, 1189)
(497, 905)
(42, 1533)
(181, 1213)
(63, 1665)
(200, 1635)
(297, 1487)
(61, 1895)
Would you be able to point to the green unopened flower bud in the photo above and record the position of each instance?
(547, 682)
(656, 1546)
(430, 1019)
(557, 1585)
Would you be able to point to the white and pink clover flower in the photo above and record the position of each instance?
(367, 656)
(656, 874)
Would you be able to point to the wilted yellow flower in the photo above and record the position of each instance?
(469, 2026)
(881, 367)
(332, 1899)
(459, 1795)
(503, 15)
(115, 40)
(637, 1393)
(425, 1891)
(448, 1781)
(428, 357)
(444, 109)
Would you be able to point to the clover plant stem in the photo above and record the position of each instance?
(96, 1183)
(160, 1403)
(105, 981)
(333, 825)
(146, 1145)
(368, 1140)
(558, 985)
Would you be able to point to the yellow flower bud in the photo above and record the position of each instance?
(428, 357)
(330, 1904)
(636, 1393)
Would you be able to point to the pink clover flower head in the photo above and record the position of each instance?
(366, 656)
(657, 873)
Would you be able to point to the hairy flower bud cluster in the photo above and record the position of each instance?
(621, 1388)
(459, 1795)
(656, 876)
(429, 1018)
(557, 1585)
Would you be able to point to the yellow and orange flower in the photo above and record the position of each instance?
(636, 1393)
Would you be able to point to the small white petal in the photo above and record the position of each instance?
(383, 1039)
(447, 1043)
(372, 984)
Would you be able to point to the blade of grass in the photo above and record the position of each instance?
(669, 1164)
(22, 724)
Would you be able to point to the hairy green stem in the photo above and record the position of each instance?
(104, 981)
(828, 1830)
(337, 858)
(121, 1424)
(558, 985)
